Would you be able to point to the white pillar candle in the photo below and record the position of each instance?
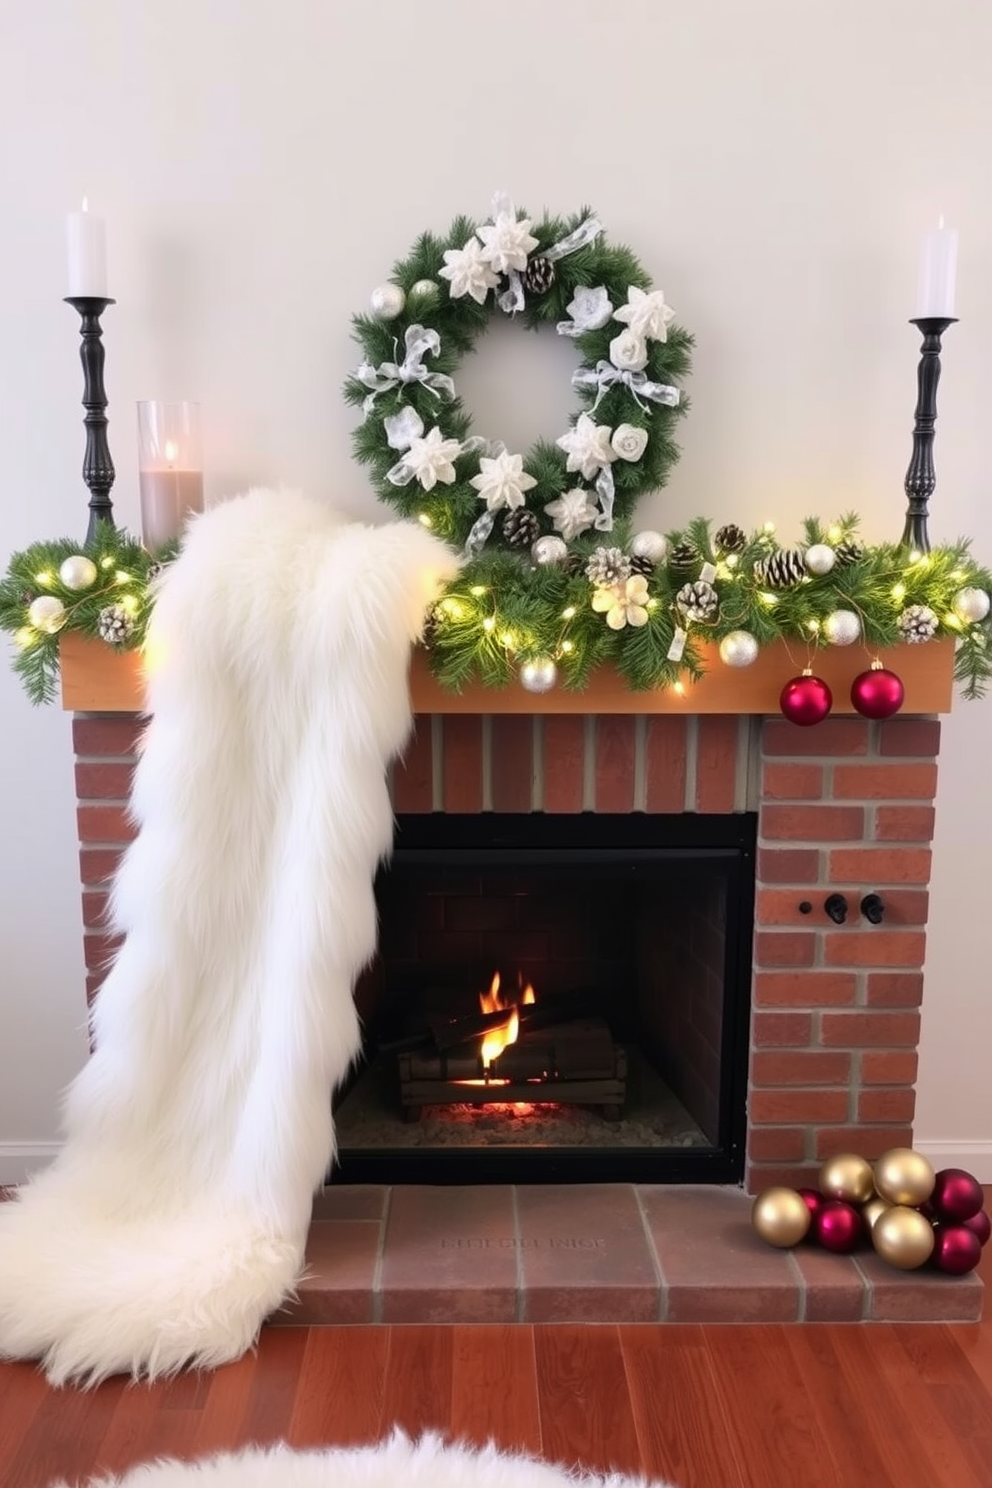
(87, 243)
(938, 273)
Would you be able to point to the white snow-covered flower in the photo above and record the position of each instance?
(573, 513)
(430, 459)
(506, 241)
(623, 604)
(646, 314)
(629, 352)
(587, 446)
(589, 309)
(402, 428)
(629, 441)
(502, 481)
(468, 272)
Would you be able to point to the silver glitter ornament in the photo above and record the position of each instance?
(423, 293)
(47, 613)
(842, 627)
(739, 649)
(971, 605)
(78, 572)
(538, 675)
(387, 301)
(650, 545)
(549, 550)
(820, 559)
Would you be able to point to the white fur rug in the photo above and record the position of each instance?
(397, 1463)
(175, 1218)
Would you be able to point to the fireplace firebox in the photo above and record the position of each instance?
(556, 998)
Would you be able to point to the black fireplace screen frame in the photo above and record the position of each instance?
(444, 839)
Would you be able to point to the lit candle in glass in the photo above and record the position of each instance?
(170, 469)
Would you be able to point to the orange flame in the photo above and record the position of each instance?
(495, 1001)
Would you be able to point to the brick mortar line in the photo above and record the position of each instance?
(659, 1272)
(520, 1297)
(801, 1290)
(537, 763)
(380, 1253)
(107, 759)
(105, 846)
(120, 801)
(867, 1292)
(486, 763)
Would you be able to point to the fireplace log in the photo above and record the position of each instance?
(448, 1033)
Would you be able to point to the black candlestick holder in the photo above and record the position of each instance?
(98, 467)
(920, 479)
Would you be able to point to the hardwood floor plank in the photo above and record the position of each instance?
(222, 1416)
(65, 1436)
(818, 1371)
(956, 1396)
(22, 1391)
(681, 1427)
(272, 1394)
(339, 1400)
(586, 1418)
(494, 1387)
(417, 1393)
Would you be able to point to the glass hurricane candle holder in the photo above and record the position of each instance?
(170, 469)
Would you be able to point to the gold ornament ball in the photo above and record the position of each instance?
(873, 1211)
(847, 1177)
(903, 1237)
(904, 1177)
(781, 1217)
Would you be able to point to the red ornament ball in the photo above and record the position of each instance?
(956, 1250)
(877, 693)
(980, 1225)
(838, 1226)
(806, 700)
(956, 1196)
(813, 1200)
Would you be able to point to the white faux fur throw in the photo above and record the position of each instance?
(397, 1463)
(174, 1219)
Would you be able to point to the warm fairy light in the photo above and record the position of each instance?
(452, 608)
(107, 562)
(489, 623)
(898, 593)
(478, 590)
(958, 573)
(731, 560)
(129, 602)
(768, 528)
(122, 577)
(25, 636)
(508, 639)
(915, 556)
(567, 646)
(953, 621)
(834, 533)
(651, 604)
(568, 613)
(424, 519)
(813, 626)
(771, 600)
(45, 579)
(679, 687)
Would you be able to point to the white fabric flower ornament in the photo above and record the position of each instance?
(502, 481)
(629, 352)
(623, 604)
(646, 314)
(573, 513)
(468, 272)
(506, 241)
(629, 441)
(589, 309)
(587, 446)
(431, 458)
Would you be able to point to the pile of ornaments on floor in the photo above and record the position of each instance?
(909, 1214)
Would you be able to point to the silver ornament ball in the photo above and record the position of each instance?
(842, 627)
(538, 675)
(78, 572)
(47, 613)
(549, 550)
(971, 605)
(387, 301)
(739, 649)
(820, 558)
(650, 545)
(423, 293)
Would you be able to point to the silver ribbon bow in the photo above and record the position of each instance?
(606, 491)
(382, 379)
(604, 376)
(512, 299)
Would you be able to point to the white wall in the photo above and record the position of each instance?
(260, 167)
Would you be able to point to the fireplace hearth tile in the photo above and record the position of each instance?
(584, 1255)
(339, 1283)
(449, 1256)
(833, 1286)
(351, 1201)
(918, 1296)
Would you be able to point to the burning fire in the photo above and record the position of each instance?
(504, 1034)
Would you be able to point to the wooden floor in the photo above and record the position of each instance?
(822, 1406)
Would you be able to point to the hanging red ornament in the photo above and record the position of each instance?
(877, 693)
(806, 700)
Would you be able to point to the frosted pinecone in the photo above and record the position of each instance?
(698, 601)
(781, 569)
(917, 624)
(684, 560)
(521, 527)
(539, 275)
(848, 553)
(730, 538)
(641, 565)
(608, 566)
(115, 624)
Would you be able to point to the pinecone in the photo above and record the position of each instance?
(574, 564)
(115, 624)
(684, 561)
(781, 569)
(608, 566)
(521, 527)
(917, 624)
(154, 569)
(539, 275)
(730, 538)
(848, 553)
(639, 565)
(698, 601)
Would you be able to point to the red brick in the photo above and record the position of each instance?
(837, 738)
(889, 1066)
(98, 864)
(812, 823)
(104, 824)
(716, 762)
(874, 1030)
(773, 1175)
(796, 865)
(781, 907)
(777, 1106)
(776, 1144)
(615, 762)
(885, 782)
(874, 948)
(800, 1067)
(867, 1141)
(100, 951)
(902, 906)
(462, 757)
(896, 989)
(413, 775)
(877, 866)
(910, 736)
(904, 823)
(783, 948)
(104, 735)
(896, 1104)
(666, 746)
(564, 762)
(512, 761)
(792, 782)
(802, 989)
(781, 1030)
(110, 781)
(95, 905)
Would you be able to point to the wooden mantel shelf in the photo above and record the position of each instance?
(96, 679)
